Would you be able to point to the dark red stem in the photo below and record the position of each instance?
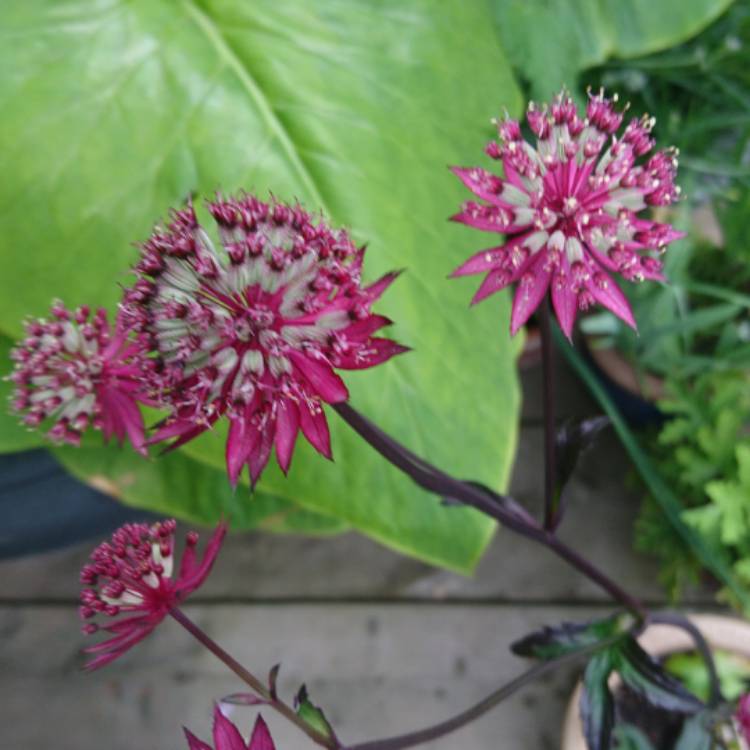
(250, 679)
(548, 403)
(500, 507)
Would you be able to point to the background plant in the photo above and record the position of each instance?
(117, 110)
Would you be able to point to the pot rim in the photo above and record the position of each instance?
(720, 631)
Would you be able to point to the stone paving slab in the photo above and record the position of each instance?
(385, 643)
(377, 669)
(264, 567)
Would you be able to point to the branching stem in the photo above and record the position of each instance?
(250, 679)
(500, 507)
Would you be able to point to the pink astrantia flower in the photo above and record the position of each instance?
(227, 737)
(569, 208)
(76, 372)
(254, 333)
(742, 717)
(129, 579)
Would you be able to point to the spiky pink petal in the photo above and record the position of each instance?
(531, 290)
(287, 427)
(315, 427)
(261, 737)
(564, 300)
(129, 580)
(254, 333)
(226, 735)
(193, 742)
(569, 207)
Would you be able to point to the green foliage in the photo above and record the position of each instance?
(119, 110)
(555, 641)
(667, 499)
(697, 734)
(175, 484)
(552, 41)
(597, 703)
(690, 669)
(700, 320)
(703, 451)
(641, 674)
(628, 737)
(312, 715)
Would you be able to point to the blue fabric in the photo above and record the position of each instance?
(42, 507)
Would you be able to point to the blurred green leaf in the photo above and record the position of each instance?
(554, 641)
(551, 42)
(628, 737)
(645, 676)
(117, 110)
(696, 734)
(177, 485)
(597, 704)
(690, 669)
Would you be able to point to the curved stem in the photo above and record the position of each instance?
(500, 507)
(701, 646)
(250, 679)
(428, 734)
(548, 401)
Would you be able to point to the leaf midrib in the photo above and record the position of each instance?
(225, 52)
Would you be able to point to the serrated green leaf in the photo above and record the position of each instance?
(597, 704)
(118, 110)
(554, 641)
(733, 502)
(552, 41)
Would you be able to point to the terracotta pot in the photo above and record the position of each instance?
(721, 632)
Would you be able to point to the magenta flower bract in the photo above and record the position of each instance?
(742, 716)
(130, 580)
(255, 333)
(226, 736)
(76, 372)
(570, 213)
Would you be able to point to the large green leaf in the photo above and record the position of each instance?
(177, 485)
(551, 41)
(116, 110)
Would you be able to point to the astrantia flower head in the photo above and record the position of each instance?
(227, 737)
(129, 581)
(569, 208)
(75, 372)
(255, 332)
